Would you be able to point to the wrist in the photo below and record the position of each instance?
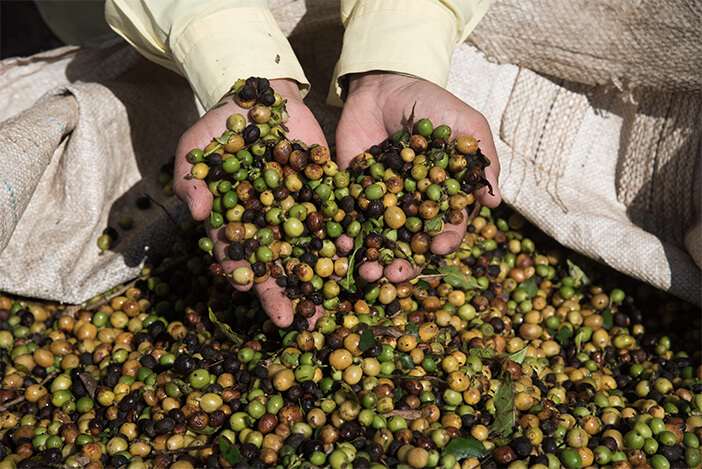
(380, 80)
(287, 88)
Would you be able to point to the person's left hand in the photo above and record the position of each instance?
(377, 105)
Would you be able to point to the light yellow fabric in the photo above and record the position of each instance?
(214, 42)
(211, 42)
(415, 37)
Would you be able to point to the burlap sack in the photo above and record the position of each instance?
(602, 147)
(609, 176)
(627, 43)
(75, 162)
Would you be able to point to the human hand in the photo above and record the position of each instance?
(376, 106)
(197, 195)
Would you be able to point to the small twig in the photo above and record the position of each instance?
(387, 330)
(431, 277)
(406, 414)
(187, 448)
(170, 217)
(474, 213)
(9, 404)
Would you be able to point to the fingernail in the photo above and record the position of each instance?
(189, 201)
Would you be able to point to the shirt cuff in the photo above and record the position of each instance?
(212, 56)
(415, 38)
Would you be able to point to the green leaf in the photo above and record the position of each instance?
(224, 138)
(280, 107)
(464, 448)
(207, 430)
(579, 340)
(578, 274)
(230, 452)
(348, 283)
(408, 256)
(456, 279)
(292, 358)
(564, 333)
(607, 319)
(434, 224)
(518, 356)
(220, 105)
(530, 286)
(406, 361)
(226, 330)
(504, 407)
(351, 392)
(399, 394)
(411, 327)
(107, 433)
(482, 352)
(422, 285)
(367, 340)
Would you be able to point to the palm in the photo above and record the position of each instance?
(379, 105)
(196, 194)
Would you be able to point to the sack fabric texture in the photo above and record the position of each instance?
(595, 108)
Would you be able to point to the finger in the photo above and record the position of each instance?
(401, 270)
(344, 245)
(277, 306)
(303, 126)
(483, 194)
(312, 322)
(452, 237)
(359, 128)
(192, 191)
(370, 271)
(221, 252)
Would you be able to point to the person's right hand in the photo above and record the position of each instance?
(302, 126)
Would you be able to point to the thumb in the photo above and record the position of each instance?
(346, 150)
(274, 302)
(356, 132)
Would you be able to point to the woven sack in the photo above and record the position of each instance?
(599, 132)
(76, 160)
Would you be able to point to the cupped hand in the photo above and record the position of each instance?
(378, 104)
(195, 193)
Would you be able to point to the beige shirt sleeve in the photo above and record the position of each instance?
(210, 42)
(414, 37)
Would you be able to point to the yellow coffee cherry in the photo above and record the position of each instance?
(458, 380)
(406, 343)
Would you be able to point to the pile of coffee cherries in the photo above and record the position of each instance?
(510, 352)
